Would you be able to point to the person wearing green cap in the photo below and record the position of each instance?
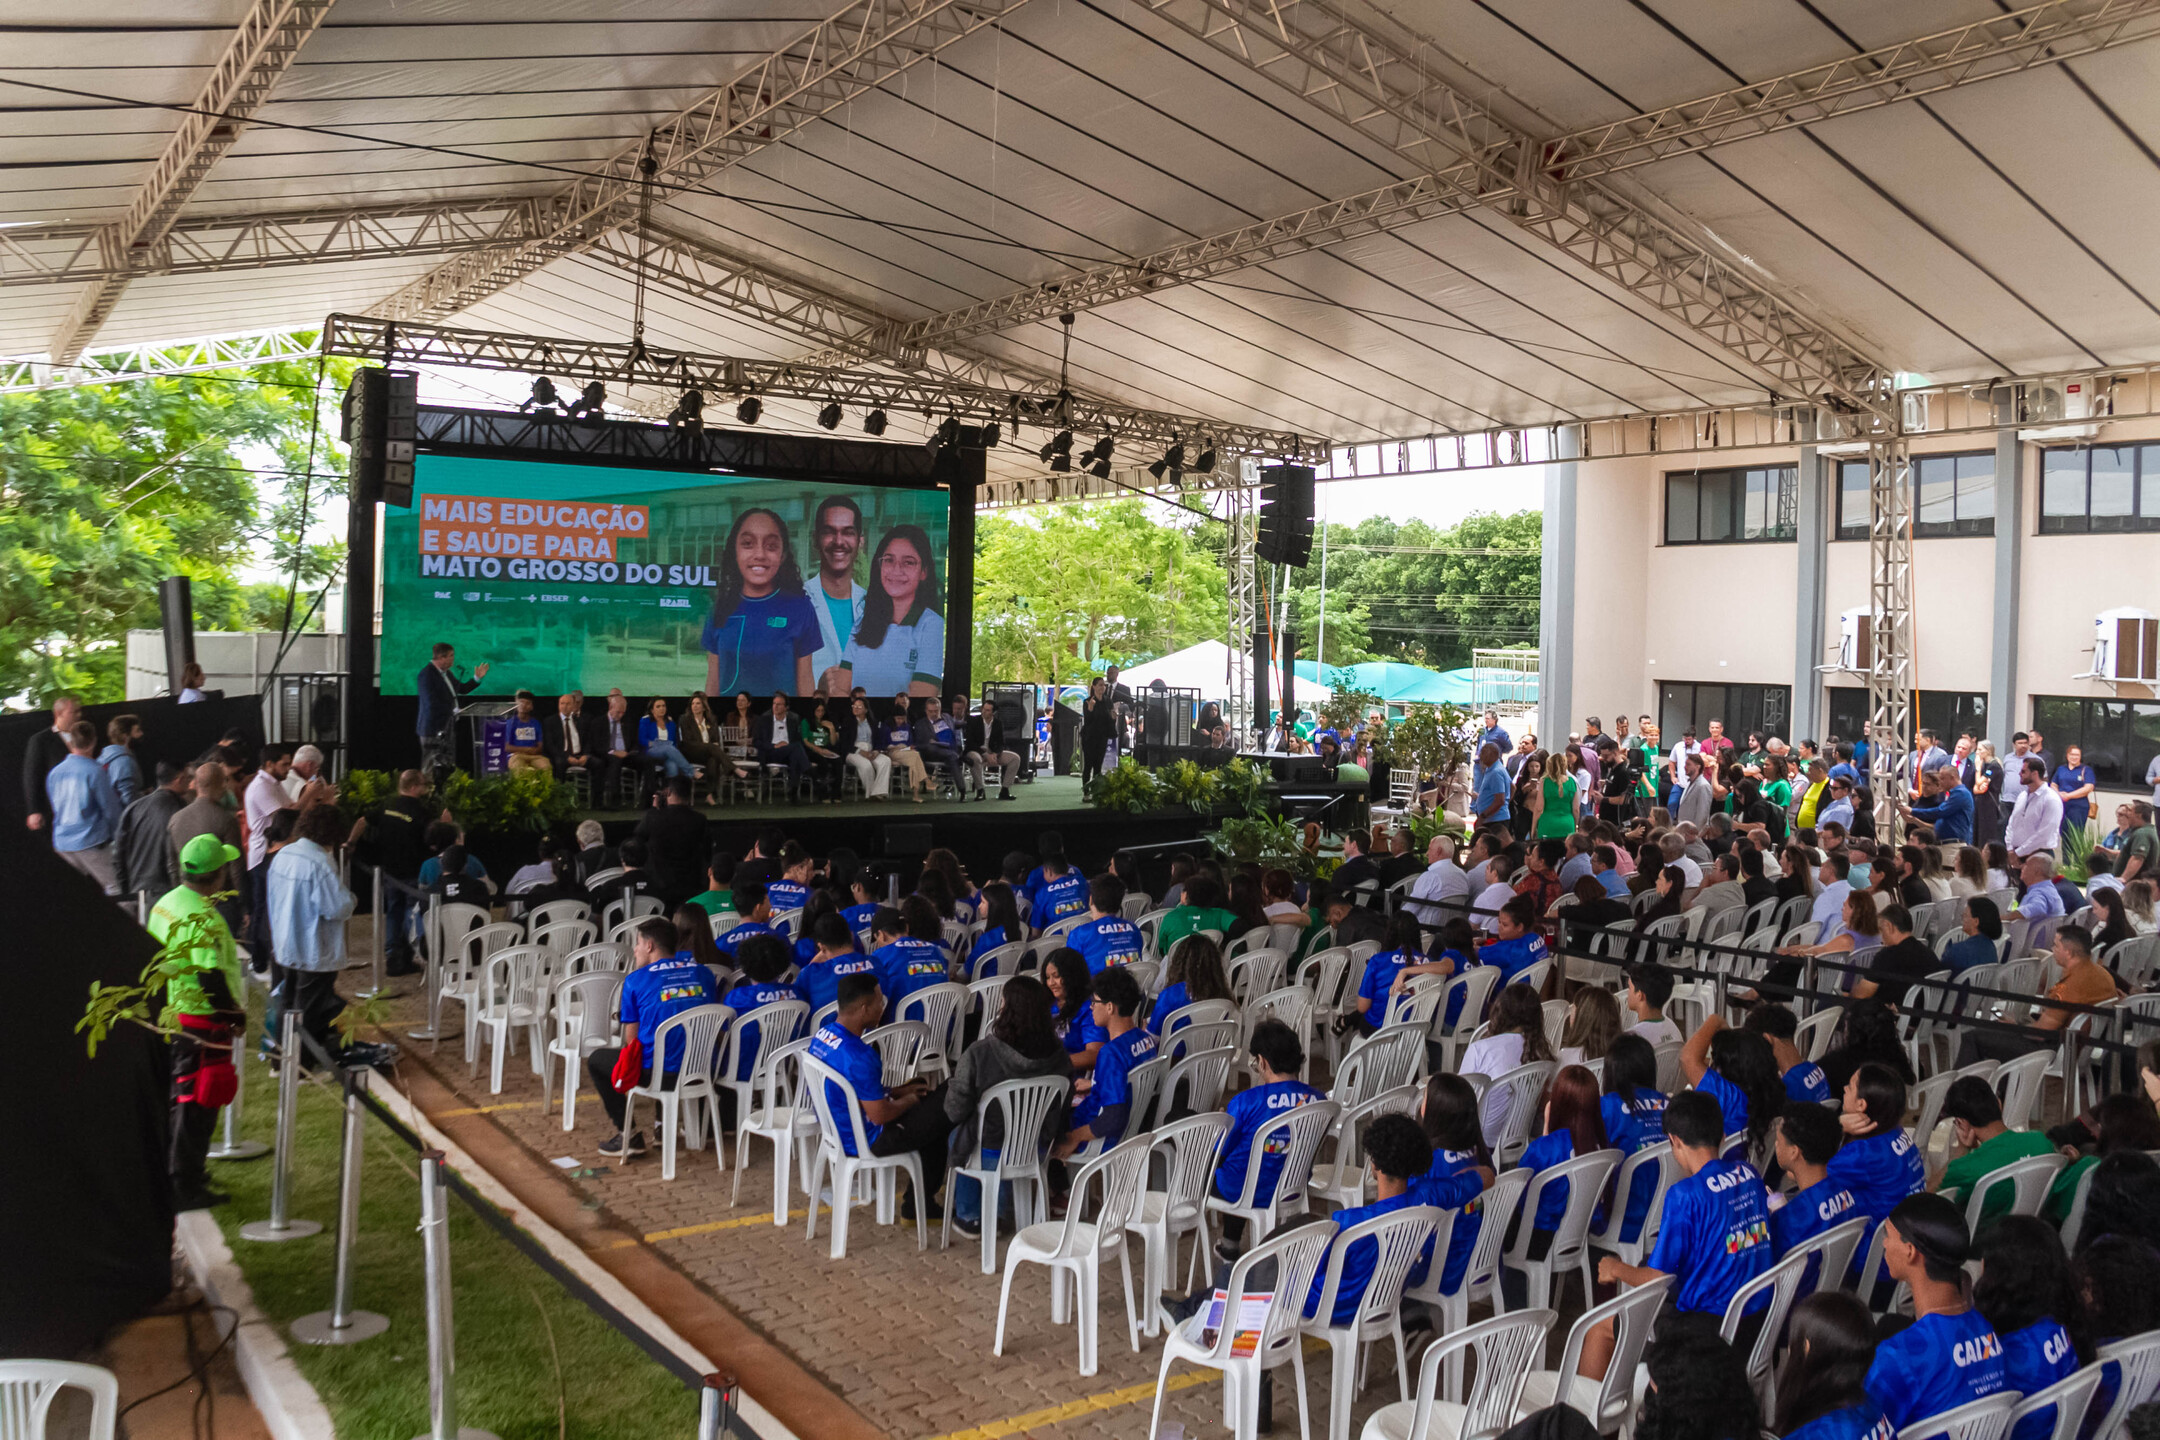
(207, 1000)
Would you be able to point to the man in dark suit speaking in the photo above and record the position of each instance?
(439, 690)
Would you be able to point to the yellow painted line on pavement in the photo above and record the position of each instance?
(709, 1227)
(1087, 1405)
(482, 1109)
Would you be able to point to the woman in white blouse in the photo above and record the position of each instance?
(1514, 1036)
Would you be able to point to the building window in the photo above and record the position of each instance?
(1725, 507)
(2099, 488)
(2119, 738)
(1742, 708)
(1949, 713)
(1957, 496)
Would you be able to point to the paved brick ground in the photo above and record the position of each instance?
(904, 1337)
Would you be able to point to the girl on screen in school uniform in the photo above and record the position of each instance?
(762, 630)
(899, 646)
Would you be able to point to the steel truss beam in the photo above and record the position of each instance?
(1243, 567)
(859, 48)
(162, 358)
(1890, 678)
(1394, 86)
(199, 245)
(618, 364)
(267, 42)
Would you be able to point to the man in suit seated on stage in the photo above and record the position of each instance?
(619, 751)
(567, 738)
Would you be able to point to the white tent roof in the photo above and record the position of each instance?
(1998, 227)
(1204, 667)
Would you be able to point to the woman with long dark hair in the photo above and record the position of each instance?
(1462, 1168)
(1514, 1035)
(967, 900)
(821, 742)
(1633, 1109)
(1022, 1044)
(761, 632)
(1196, 973)
(1573, 1125)
(1066, 973)
(2026, 1293)
(899, 644)
(1982, 923)
(1868, 1035)
(1821, 1388)
(1001, 925)
(1739, 1068)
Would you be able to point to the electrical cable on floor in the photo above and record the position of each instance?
(201, 1369)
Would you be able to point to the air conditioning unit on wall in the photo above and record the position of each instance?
(1856, 641)
(2126, 646)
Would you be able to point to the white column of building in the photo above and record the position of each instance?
(1556, 596)
(1813, 534)
(2002, 717)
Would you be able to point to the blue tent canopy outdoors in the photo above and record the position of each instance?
(1397, 683)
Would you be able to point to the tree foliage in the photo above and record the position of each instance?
(1061, 589)
(105, 490)
(1396, 594)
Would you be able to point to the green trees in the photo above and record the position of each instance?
(1058, 587)
(104, 490)
(1409, 591)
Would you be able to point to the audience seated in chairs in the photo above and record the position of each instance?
(634, 879)
(909, 1117)
(664, 982)
(1022, 1044)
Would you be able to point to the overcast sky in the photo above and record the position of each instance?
(1440, 499)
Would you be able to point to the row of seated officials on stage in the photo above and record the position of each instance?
(813, 741)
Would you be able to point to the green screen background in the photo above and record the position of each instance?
(601, 635)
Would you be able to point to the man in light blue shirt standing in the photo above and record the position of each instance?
(85, 808)
(1490, 807)
(309, 905)
(1493, 735)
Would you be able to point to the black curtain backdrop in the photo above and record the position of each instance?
(85, 1208)
(171, 731)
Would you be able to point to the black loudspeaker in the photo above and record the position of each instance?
(1286, 515)
(899, 840)
(176, 612)
(381, 424)
(1261, 660)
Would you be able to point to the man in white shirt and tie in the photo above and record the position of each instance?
(567, 738)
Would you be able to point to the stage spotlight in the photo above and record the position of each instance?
(1098, 467)
(1059, 448)
(1206, 463)
(749, 410)
(874, 423)
(946, 435)
(1101, 453)
(591, 403)
(543, 397)
(1172, 463)
(689, 412)
(829, 417)
(990, 436)
(1059, 464)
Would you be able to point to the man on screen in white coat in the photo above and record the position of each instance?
(836, 532)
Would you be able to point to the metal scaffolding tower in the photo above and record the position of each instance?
(1244, 579)
(1890, 676)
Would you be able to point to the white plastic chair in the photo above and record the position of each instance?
(564, 936)
(1524, 1084)
(1076, 1247)
(1397, 1236)
(821, 1080)
(591, 959)
(1987, 1419)
(1293, 1006)
(700, 1028)
(1341, 1180)
(1256, 973)
(2074, 1223)
(2069, 1397)
(465, 959)
(2018, 1083)
(1167, 1215)
(1198, 1012)
(510, 1000)
(1481, 1270)
(1608, 1403)
(550, 911)
(29, 1387)
(999, 960)
(584, 1021)
(1386, 1060)
(1505, 1346)
(1204, 1074)
(1295, 1255)
(941, 1009)
(985, 998)
(1781, 1282)
(2030, 1179)
(1299, 1131)
(627, 908)
(778, 1113)
(775, 1023)
(1585, 1177)
(2137, 1362)
(1477, 985)
(1023, 1108)
(1324, 975)
(1657, 1156)
(899, 1045)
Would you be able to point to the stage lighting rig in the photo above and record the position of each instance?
(591, 403)
(990, 434)
(829, 417)
(1058, 453)
(1206, 463)
(749, 410)
(874, 423)
(1098, 459)
(689, 412)
(1172, 464)
(543, 400)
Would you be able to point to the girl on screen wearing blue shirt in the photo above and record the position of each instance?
(1822, 1386)
(1739, 1070)
(899, 645)
(1574, 1125)
(762, 630)
(1633, 1109)
(2025, 1292)
(1066, 973)
(1949, 1356)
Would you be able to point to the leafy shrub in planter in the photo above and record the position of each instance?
(523, 801)
(1130, 787)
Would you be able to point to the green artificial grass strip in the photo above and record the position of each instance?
(589, 1382)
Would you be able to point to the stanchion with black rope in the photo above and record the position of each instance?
(341, 1324)
(280, 1225)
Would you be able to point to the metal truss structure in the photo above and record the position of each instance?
(84, 254)
(1890, 677)
(856, 50)
(618, 364)
(268, 40)
(167, 357)
(1243, 566)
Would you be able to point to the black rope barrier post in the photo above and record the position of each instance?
(341, 1324)
(280, 1225)
(230, 1145)
(716, 1407)
(441, 1341)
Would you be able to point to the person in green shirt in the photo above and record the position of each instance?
(1989, 1145)
(1202, 909)
(207, 1004)
(719, 870)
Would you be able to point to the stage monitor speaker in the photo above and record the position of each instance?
(895, 841)
(381, 424)
(176, 613)
(1286, 515)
